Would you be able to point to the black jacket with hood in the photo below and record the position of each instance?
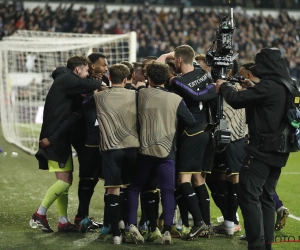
(265, 103)
(59, 104)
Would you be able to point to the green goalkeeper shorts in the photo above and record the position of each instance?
(54, 166)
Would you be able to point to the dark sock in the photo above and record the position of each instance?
(166, 228)
(106, 211)
(278, 202)
(150, 207)
(85, 193)
(232, 201)
(124, 205)
(236, 189)
(204, 202)
(157, 200)
(161, 217)
(183, 210)
(191, 201)
(222, 191)
(114, 213)
(144, 218)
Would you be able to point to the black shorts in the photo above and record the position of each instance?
(209, 155)
(151, 184)
(191, 153)
(230, 160)
(117, 165)
(90, 163)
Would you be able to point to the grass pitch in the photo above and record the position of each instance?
(22, 187)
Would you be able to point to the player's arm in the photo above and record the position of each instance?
(241, 99)
(184, 115)
(205, 92)
(166, 56)
(63, 128)
(73, 85)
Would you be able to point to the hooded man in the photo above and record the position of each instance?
(265, 105)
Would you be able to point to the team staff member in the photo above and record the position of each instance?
(117, 118)
(261, 166)
(193, 85)
(57, 157)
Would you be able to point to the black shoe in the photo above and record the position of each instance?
(40, 221)
(95, 225)
(195, 232)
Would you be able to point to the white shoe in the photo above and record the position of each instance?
(166, 238)
(135, 234)
(118, 240)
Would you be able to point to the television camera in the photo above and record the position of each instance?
(220, 58)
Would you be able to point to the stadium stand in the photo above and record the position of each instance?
(161, 31)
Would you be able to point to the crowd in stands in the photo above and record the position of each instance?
(161, 32)
(243, 3)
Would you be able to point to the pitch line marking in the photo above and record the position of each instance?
(294, 217)
(290, 173)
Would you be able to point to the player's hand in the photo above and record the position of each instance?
(246, 83)
(171, 55)
(219, 82)
(170, 80)
(44, 143)
(139, 84)
(103, 86)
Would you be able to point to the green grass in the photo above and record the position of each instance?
(22, 187)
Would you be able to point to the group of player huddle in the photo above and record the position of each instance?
(144, 131)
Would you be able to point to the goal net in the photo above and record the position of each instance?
(27, 59)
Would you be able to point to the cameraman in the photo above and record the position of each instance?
(248, 73)
(261, 167)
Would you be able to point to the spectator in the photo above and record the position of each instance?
(161, 31)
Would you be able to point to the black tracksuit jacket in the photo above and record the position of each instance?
(59, 105)
(265, 105)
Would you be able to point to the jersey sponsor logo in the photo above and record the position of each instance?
(198, 81)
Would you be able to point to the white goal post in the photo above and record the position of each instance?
(27, 59)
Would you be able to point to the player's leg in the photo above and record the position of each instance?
(89, 170)
(166, 181)
(58, 191)
(188, 164)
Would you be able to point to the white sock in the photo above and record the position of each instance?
(228, 223)
(63, 219)
(42, 210)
